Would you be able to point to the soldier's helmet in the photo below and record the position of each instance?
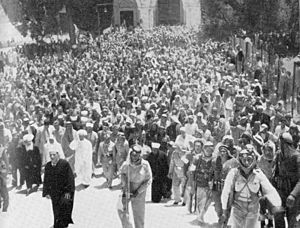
(247, 158)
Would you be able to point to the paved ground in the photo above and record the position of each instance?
(94, 207)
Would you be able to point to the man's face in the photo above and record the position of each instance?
(198, 147)
(247, 160)
(208, 151)
(54, 156)
(228, 142)
(27, 143)
(268, 152)
(182, 133)
(81, 137)
(135, 156)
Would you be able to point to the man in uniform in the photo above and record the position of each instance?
(107, 159)
(3, 178)
(136, 176)
(243, 187)
(204, 176)
(287, 180)
(177, 174)
(121, 150)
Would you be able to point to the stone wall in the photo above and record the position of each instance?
(146, 12)
(191, 13)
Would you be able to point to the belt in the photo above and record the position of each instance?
(245, 200)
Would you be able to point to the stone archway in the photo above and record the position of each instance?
(125, 11)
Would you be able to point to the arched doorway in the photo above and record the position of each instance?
(169, 12)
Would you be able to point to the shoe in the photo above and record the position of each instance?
(19, 187)
(183, 204)
(110, 187)
(201, 221)
(175, 203)
(28, 191)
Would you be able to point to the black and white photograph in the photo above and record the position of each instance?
(149, 113)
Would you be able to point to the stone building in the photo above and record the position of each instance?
(149, 13)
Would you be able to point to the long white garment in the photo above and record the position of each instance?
(83, 160)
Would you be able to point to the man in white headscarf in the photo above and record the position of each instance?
(83, 158)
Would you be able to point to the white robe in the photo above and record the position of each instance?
(83, 160)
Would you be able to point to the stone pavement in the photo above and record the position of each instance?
(94, 207)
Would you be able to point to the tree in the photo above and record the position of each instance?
(40, 18)
(251, 15)
(35, 17)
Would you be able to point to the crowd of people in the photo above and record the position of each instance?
(161, 107)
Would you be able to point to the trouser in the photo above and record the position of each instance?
(204, 199)
(32, 176)
(4, 194)
(108, 171)
(298, 106)
(190, 198)
(178, 184)
(138, 210)
(216, 198)
(242, 219)
(263, 211)
(95, 161)
(157, 190)
(62, 212)
(291, 213)
(14, 171)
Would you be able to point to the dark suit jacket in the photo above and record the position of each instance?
(58, 179)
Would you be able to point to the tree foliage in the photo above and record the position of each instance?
(42, 17)
(229, 16)
(39, 17)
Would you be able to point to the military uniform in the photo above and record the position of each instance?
(242, 191)
(287, 182)
(203, 176)
(108, 160)
(138, 177)
(3, 179)
(176, 171)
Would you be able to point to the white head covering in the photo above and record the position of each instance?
(28, 138)
(155, 145)
(89, 124)
(82, 132)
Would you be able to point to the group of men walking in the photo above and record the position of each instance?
(178, 117)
